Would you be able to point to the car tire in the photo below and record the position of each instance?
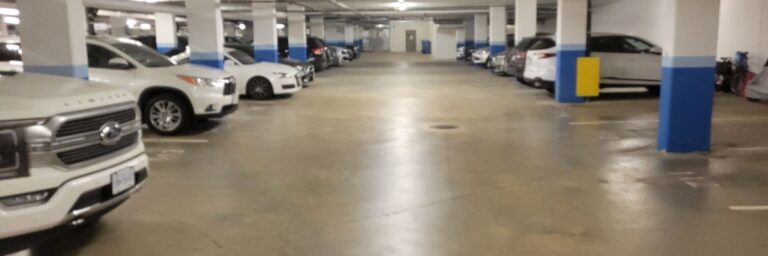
(521, 80)
(550, 90)
(167, 114)
(654, 90)
(259, 88)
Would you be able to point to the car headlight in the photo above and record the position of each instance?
(14, 158)
(280, 74)
(201, 81)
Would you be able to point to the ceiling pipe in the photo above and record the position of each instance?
(394, 13)
(131, 6)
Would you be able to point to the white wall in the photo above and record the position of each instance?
(744, 27)
(444, 43)
(547, 26)
(634, 17)
(397, 36)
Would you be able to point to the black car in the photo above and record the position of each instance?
(317, 52)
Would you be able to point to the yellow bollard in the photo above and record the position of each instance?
(588, 77)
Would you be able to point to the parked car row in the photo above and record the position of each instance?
(625, 61)
(71, 150)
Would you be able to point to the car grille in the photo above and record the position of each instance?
(229, 88)
(93, 123)
(86, 153)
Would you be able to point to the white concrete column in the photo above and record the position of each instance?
(206, 33)
(118, 26)
(461, 37)
(359, 37)
(349, 35)
(265, 32)
(571, 45)
(685, 116)
(498, 29)
(297, 33)
(469, 29)
(165, 32)
(526, 12)
(3, 26)
(62, 21)
(317, 26)
(335, 34)
(481, 31)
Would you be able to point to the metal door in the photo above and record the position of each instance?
(410, 40)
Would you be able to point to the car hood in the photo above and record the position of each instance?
(294, 62)
(193, 70)
(27, 95)
(274, 67)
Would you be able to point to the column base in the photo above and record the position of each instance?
(77, 71)
(497, 48)
(299, 53)
(266, 55)
(685, 116)
(565, 79)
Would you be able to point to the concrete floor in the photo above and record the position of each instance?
(352, 166)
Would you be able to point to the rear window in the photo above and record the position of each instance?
(10, 51)
(542, 44)
(314, 42)
(526, 43)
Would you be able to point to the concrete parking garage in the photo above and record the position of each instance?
(407, 153)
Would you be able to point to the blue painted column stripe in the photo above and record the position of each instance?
(565, 77)
(298, 51)
(165, 47)
(266, 53)
(497, 48)
(480, 44)
(78, 71)
(685, 115)
(210, 59)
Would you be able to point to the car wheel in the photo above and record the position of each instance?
(550, 90)
(259, 88)
(167, 114)
(520, 79)
(654, 90)
(488, 64)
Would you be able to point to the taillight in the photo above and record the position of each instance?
(317, 51)
(546, 55)
(521, 55)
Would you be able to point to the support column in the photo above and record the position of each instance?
(481, 31)
(265, 32)
(571, 44)
(461, 37)
(498, 29)
(118, 26)
(359, 38)
(469, 29)
(317, 26)
(685, 116)
(165, 32)
(349, 35)
(206, 33)
(526, 12)
(3, 26)
(297, 33)
(63, 20)
(334, 34)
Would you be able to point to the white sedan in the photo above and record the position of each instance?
(257, 80)
(625, 61)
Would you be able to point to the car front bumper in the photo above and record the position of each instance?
(73, 201)
(287, 85)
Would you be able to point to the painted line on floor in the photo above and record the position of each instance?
(748, 207)
(680, 173)
(725, 119)
(749, 149)
(150, 140)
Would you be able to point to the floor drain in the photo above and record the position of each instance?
(444, 127)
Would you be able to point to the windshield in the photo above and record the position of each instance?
(144, 55)
(242, 57)
(10, 52)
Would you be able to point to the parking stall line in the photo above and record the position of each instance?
(190, 141)
(640, 121)
(748, 207)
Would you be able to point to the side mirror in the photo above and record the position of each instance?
(229, 63)
(119, 63)
(655, 51)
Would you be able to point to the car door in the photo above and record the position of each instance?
(99, 69)
(643, 63)
(612, 62)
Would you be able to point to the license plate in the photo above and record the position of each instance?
(122, 180)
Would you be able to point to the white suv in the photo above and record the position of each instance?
(170, 97)
(70, 151)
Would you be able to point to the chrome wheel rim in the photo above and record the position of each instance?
(165, 115)
(259, 89)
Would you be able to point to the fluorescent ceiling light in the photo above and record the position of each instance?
(402, 5)
(280, 26)
(241, 26)
(145, 26)
(11, 20)
(9, 11)
(131, 23)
